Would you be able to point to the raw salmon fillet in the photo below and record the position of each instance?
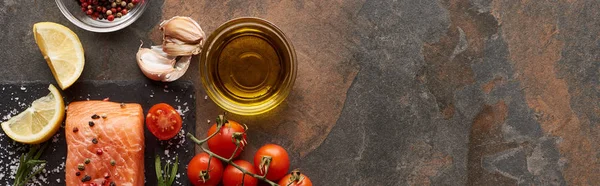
(119, 136)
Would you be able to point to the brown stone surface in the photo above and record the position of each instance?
(535, 50)
(411, 92)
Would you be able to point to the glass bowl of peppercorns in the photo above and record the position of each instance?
(102, 15)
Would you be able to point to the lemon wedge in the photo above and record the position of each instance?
(39, 122)
(62, 51)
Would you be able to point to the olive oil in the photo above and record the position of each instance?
(249, 68)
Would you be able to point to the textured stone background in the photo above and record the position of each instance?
(406, 92)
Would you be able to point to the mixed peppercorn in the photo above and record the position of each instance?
(107, 9)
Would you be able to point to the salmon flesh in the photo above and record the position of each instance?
(105, 142)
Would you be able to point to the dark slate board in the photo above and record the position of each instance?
(16, 97)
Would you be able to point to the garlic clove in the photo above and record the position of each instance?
(182, 36)
(175, 49)
(180, 67)
(157, 66)
(184, 29)
(158, 49)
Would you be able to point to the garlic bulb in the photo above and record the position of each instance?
(182, 36)
(156, 65)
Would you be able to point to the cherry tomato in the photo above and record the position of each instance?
(295, 179)
(233, 176)
(163, 121)
(280, 161)
(198, 164)
(223, 144)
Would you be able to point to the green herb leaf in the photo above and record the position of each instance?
(174, 171)
(159, 174)
(34, 173)
(40, 150)
(28, 163)
(35, 162)
(166, 176)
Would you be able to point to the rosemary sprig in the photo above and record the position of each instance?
(166, 176)
(28, 162)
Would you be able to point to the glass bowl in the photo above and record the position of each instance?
(72, 11)
(248, 66)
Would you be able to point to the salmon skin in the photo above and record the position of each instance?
(105, 142)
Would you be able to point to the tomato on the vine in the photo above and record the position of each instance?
(233, 176)
(295, 179)
(223, 144)
(163, 121)
(196, 170)
(280, 161)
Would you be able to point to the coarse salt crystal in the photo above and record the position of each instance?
(55, 138)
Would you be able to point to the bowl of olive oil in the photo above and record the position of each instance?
(248, 66)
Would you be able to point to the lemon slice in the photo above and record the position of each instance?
(62, 50)
(39, 122)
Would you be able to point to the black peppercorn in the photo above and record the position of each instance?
(81, 167)
(75, 129)
(91, 123)
(95, 116)
(78, 174)
(86, 178)
(95, 141)
(87, 161)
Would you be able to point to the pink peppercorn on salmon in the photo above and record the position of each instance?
(105, 142)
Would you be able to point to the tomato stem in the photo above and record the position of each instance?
(221, 120)
(265, 163)
(220, 123)
(237, 147)
(296, 176)
(204, 175)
